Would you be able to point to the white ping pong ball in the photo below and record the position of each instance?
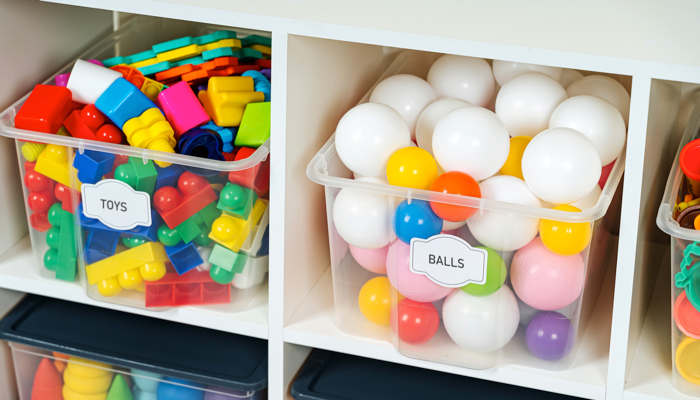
(430, 117)
(466, 78)
(606, 88)
(504, 71)
(526, 103)
(407, 94)
(368, 135)
(363, 219)
(471, 140)
(561, 166)
(569, 76)
(590, 200)
(596, 118)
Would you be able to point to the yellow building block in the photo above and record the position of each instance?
(219, 84)
(235, 44)
(151, 131)
(144, 63)
(86, 379)
(226, 108)
(267, 51)
(147, 253)
(151, 88)
(179, 54)
(53, 163)
(232, 232)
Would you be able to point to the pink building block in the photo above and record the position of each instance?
(182, 108)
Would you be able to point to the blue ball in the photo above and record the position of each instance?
(416, 220)
(168, 391)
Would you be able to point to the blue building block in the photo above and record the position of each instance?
(110, 62)
(123, 101)
(150, 232)
(196, 60)
(181, 390)
(168, 176)
(228, 135)
(100, 245)
(93, 165)
(216, 53)
(184, 257)
(262, 84)
(156, 68)
(172, 44)
(265, 243)
(142, 56)
(247, 55)
(201, 143)
(256, 39)
(215, 37)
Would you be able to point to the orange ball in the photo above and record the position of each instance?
(454, 182)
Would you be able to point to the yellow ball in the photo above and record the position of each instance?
(109, 287)
(152, 271)
(411, 167)
(565, 238)
(88, 384)
(130, 279)
(375, 300)
(513, 165)
(88, 368)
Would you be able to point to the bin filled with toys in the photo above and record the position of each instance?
(467, 207)
(145, 166)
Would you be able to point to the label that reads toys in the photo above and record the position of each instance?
(116, 204)
(448, 261)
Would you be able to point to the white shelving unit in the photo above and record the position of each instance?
(326, 56)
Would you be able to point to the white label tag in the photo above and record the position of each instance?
(116, 204)
(448, 261)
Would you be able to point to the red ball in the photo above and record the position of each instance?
(40, 222)
(92, 116)
(109, 134)
(35, 181)
(40, 202)
(417, 322)
(61, 192)
(166, 198)
(191, 183)
(454, 182)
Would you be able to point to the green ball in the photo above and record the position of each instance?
(169, 237)
(55, 213)
(51, 260)
(220, 275)
(203, 240)
(53, 237)
(134, 241)
(126, 174)
(233, 196)
(495, 275)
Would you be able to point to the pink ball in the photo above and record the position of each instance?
(544, 280)
(373, 260)
(414, 286)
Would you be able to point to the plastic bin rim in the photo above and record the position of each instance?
(7, 128)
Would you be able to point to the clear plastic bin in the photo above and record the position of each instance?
(685, 250)
(141, 282)
(418, 326)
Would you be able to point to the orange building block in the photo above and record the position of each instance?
(47, 382)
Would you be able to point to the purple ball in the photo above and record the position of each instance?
(550, 336)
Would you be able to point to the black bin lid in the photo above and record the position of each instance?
(334, 376)
(135, 341)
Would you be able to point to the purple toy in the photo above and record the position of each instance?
(97, 62)
(230, 394)
(62, 80)
(267, 73)
(549, 336)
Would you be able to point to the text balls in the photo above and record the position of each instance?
(407, 94)
(411, 167)
(415, 322)
(430, 117)
(526, 103)
(454, 182)
(375, 300)
(561, 166)
(550, 336)
(363, 219)
(565, 238)
(604, 87)
(504, 231)
(481, 323)
(416, 220)
(544, 280)
(597, 119)
(495, 275)
(368, 135)
(466, 78)
(513, 164)
(414, 286)
(504, 71)
(471, 140)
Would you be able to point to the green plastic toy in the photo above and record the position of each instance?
(255, 125)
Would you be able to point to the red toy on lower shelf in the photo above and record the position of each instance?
(192, 288)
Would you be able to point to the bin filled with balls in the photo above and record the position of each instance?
(467, 205)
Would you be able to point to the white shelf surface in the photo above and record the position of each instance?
(314, 325)
(17, 273)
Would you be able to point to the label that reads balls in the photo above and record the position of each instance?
(448, 261)
(116, 204)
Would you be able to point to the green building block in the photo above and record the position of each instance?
(193, 228)
(209, 214)
(256, 39)
(247, 55)
(137, 174)
(237, 201)
(255, 125)
(215, 37)
(62, 254)
(227, 260)
(189, 229)
(119, 389)
(134, 241)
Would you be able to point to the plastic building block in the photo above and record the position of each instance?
(175, 72)
(256, 39)
(100, 245)
(142, 56)
(61, 256)
(155, 68)
(168, 176)
(216, 53)
(184, 257)
(89, 123)
(69, 198)
(119, 389)
(265, 50)
(110, 62)
(192, 288)
(236, 201)
(226, 259)
(226, 97)
(149, 232)
(196, 60)
(86, 379)
(144, 63)
(201, 143)
(128, 269)
(264, 63)
(151, 88)
(265, 243)
(228, 135)
(123, 101)
(150, 130)
(234, 44)
(88, 81)
(133, 75)
(253, 273)
(196, 228)
(119, 160)
(262, 84)
(31, 150)
(232, 232)
(45, 109)
(182, 108)
(47, 384)
(134, 241)
(215, 37)
(172, 44)
(40, 197)
(179, 54)
(175, 205)
(255, 126)
(53, 163)
(93, 165)
(247, 55)
(141, 175)
(256, 178)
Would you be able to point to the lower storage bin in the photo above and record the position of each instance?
(96, 354)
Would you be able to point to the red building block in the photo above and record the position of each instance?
(263, 63)
(176, 205)
(45, 109)
(69, 198)
(40, 198)
(119, 160)
(89, 123)
(192, 288)
(256, 178)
